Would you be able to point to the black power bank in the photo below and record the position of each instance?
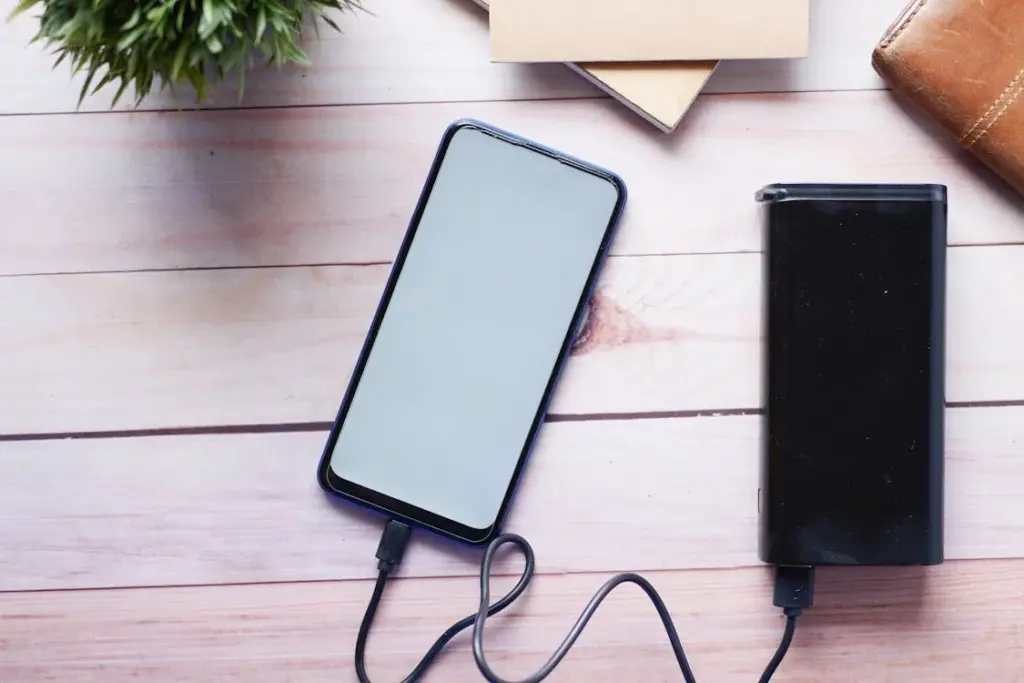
(852, 470)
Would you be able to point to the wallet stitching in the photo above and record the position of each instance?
(999, 100)
(902, 27)
(1005, 108)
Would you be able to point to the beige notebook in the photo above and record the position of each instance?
(660, 93)
(647, 30)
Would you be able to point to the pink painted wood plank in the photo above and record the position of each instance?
(302, 186)
(644, 494)
(958, 622)
(225, 347)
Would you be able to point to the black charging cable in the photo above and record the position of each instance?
(794, 592)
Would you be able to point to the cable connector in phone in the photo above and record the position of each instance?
(392, 546)
(794, 589)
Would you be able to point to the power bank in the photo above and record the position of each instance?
(854, 386)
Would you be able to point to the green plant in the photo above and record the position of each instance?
(142, 42)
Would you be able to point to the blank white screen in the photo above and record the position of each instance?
(474, 327)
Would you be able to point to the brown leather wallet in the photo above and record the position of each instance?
(962, 62)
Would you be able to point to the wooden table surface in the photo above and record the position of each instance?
(184, 294)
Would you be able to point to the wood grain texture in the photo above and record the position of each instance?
(438, 51)
(156, 271)
(957, 622)
(645, 495)
(276, 345)
(301, 186)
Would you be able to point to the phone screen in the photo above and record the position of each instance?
(476, 320)
(854, 379)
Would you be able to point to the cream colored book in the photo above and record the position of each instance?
(647, 30)
(660, 93)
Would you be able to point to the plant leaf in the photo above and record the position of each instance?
(139, 43)
(179, 60)
(107, 78)
(133, 64)
(261, 24)
(208, 22)
(241, 84)
(131, 37)
(22, 7)
(120, 91)
(299, 57)
(198, 82)
(133, 21)
(77, 62)
(330, 22)
(85, 86)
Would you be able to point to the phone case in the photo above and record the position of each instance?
(407, 513)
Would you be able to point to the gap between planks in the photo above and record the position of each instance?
(246, 189)
(372, 264)
(667, 336)
(510, 567)
(226, 509)
(256, 108)
(411, 103)
(321, 426)
(303, 427)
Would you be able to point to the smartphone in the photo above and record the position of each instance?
(476, 321)
(855, 367)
